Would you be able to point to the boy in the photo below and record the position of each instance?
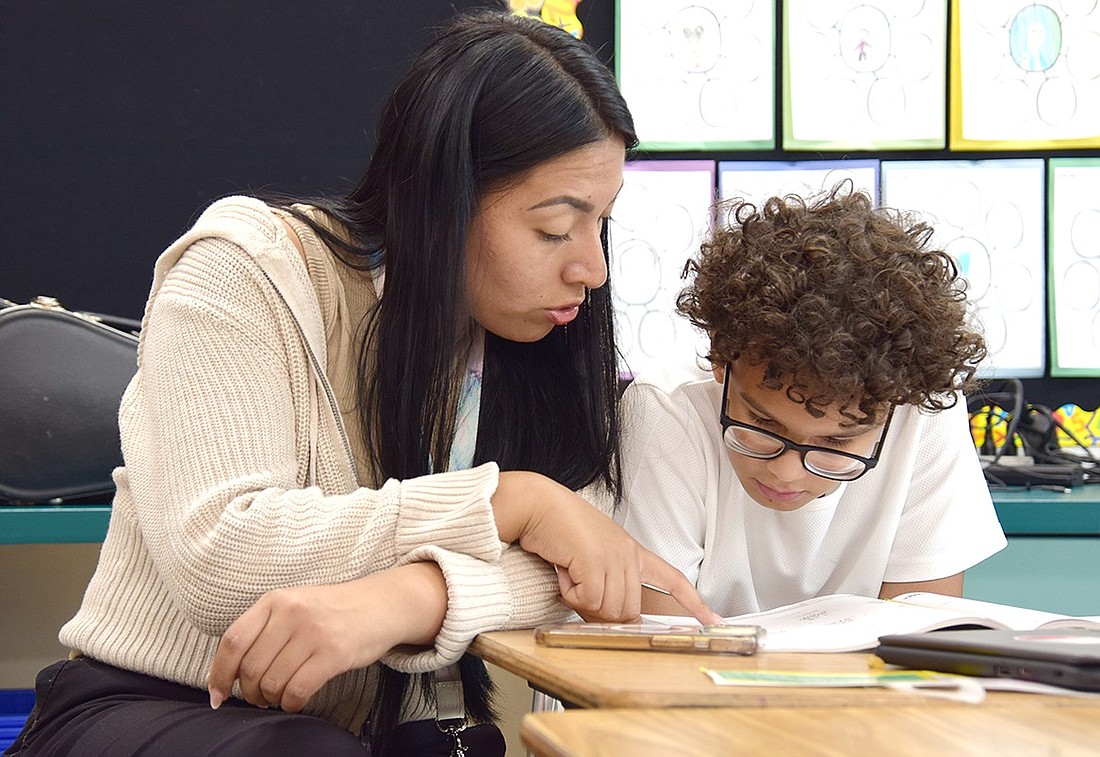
(830, 450)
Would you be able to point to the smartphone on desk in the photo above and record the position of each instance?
(734, 639)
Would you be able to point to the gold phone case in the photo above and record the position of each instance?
(735, 639)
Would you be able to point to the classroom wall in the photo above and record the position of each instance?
(122, 120)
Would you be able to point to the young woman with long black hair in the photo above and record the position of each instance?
(357, 427)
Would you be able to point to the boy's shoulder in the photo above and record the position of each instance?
(671, 377)
(678, 388)
(672, 412)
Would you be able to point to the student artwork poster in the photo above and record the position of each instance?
(698, 74)
(1025, 74)
(1074, 260)
(864, 75)
(661, 215)
(989, 216)
(759, 180)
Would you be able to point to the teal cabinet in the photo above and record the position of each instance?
(1052, 561)
(1057, 574)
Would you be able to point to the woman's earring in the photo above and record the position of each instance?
(587, 296)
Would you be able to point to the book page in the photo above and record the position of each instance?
(844, 623)
(849, 623)
(1017, 618)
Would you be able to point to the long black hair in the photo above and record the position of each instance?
(492, 97)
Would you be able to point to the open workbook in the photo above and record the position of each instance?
(849, 623)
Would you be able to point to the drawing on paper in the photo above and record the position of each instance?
(1074, 233)
(865, 74)
(756, 181)
(988, 215)
(1030, 72)
(698, 73)
(661, 215)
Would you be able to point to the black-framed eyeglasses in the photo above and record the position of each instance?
(751, 441)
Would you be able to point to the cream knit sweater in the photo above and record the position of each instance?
(241, 474)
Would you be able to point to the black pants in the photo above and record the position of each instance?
(86, 708)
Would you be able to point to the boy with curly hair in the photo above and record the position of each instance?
(830, 450)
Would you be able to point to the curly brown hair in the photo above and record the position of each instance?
(840, 301)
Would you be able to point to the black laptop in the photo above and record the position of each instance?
(1068, 658)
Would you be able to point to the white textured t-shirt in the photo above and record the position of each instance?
(923, 513)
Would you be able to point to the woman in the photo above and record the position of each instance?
(324, 398)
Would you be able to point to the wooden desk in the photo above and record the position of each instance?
(895, 731)
(614, 678)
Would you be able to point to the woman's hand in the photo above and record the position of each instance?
(600, 566)
(293, 641)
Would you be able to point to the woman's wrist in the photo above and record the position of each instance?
(418, 594)
(515, 503)
(532, 511)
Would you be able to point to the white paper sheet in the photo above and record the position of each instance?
(698, 73)
(865, 74)
(1075, 266)
(660, 217)
(1029, 71)
(989, 215)
(759, 180)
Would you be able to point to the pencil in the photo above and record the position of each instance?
(657, 589)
